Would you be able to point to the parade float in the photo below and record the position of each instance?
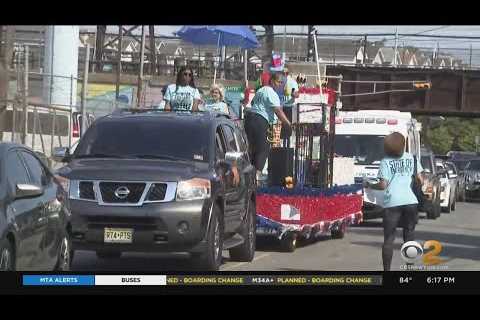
(303, 197)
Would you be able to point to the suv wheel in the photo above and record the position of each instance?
(339, 232)
(211, 259)
(448, 208)
(108, 254)
(246, 251)
(437, 207)
(7, 257)
(65, 254)
(289, 242)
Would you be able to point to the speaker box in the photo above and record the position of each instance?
(280, 165)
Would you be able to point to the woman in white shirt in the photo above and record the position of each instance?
(183, 95)
(217, 102)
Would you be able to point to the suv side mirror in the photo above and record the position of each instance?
(61, 154)
(229, 160)
(441, 172)
(27, 191)
(452, 174)
(233, 157)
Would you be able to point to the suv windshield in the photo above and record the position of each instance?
(461, 164)
(473, 165)
(145, 139)
(365, 149)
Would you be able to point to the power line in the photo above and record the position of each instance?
(422, 32)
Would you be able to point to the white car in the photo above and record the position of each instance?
(448, 188)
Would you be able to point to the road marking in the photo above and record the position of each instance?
(242, 263)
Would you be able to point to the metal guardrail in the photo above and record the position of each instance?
(45, 128)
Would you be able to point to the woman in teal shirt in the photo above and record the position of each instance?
(183, 95)
(400, 203)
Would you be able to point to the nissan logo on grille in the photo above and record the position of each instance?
(122, 192)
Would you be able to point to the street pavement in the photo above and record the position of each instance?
(360, 250)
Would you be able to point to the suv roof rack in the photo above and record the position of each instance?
(222, 115)
(145, 110)
(136, 110)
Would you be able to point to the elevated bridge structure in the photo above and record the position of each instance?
(452, 92)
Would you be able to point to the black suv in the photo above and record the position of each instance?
(154, 181)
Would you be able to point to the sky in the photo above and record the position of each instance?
(471, 30)
(425, 43)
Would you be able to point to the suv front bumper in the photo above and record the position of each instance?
(472, 191)
(155, 226)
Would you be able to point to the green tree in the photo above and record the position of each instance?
(456, 134)
(440, 140)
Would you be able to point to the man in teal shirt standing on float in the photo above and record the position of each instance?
(265, 108)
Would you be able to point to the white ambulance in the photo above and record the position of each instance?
(360, 134)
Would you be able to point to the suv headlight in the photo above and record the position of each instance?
(193, 189)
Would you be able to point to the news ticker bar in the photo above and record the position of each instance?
(192, 280)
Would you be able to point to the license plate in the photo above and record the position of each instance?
(118, 235)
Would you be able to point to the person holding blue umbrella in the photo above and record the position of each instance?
(228, 36)
(183, 95)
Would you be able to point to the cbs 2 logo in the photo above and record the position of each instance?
(412, 251)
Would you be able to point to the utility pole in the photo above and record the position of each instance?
(83, 127)
(140, 75)
(6, 50)
(119, 63)
(470, 56)
(435, 53)
(153, 50)
(364, 50)
(25, 96)
(395, 52)
(99, 43)
(309, 43)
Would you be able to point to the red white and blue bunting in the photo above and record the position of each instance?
(309, 211)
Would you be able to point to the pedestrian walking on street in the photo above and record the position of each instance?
(395, 177)
(265, 108)
(183, 95)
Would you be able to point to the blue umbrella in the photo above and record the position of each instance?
(229, 36)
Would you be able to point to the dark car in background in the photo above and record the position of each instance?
(462, 155)
(34, 217)
(472, 180)
(431, 186)
(461, 160)
(154, 181)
